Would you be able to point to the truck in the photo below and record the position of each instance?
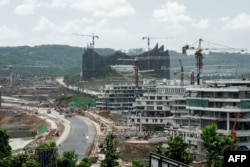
(48, 111)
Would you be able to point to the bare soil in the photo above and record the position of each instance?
(130, 151)
(136, 151)
(11, 119)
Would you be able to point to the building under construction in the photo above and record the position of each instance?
(224, 103)
(156, 60)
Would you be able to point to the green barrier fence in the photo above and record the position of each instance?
(42, 129)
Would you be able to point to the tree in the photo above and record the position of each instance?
(5, 148)
(136, 163)
(176, 150)
(68, 159)
(109, 149)
(215, 145)
(27, 159)
(85, 162)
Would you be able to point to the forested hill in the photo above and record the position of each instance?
(58, 59)
(62, 59)
(213, 60)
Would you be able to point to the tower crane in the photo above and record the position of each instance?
(92, 36)
(199, 56)
(233, 133)
(136, 68)
(91, 45)
(181, 73)
(148, 39)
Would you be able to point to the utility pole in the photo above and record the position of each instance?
(11, 76)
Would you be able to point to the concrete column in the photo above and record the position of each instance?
(227, 121)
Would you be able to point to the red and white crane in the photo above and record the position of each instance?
(199, 55)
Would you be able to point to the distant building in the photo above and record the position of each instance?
(156, 59)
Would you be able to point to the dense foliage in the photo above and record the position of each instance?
(108, 147)
(44, 60)
(215, 145)
(106, 72)
(71, 79)
(30, 158)
(136, 163)
(176, 150)
(5, 149)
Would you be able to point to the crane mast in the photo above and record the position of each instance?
(233, 133)
(92, 45)
(199, 55)
(181, 73)
(148, 43)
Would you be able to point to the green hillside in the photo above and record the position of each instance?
(60, 60)
(44, 60)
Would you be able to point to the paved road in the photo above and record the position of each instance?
(80, 137)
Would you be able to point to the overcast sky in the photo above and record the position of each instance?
(121, 24)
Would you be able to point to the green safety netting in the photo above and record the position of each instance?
(197, 102)
(245, 105)
(81, 104)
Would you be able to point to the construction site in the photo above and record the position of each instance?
(26, 108)
(142, 112)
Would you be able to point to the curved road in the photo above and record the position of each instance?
(80, 138)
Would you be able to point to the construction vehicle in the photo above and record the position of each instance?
(199, 55)
(48, 111)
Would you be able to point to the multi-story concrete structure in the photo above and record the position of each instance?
(224, 103)
(158, 61)
(219, 103)
(154, 107)
(178, 109)
(118, 98)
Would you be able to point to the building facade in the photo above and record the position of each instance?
(223, 103)
(156, 59)
(118, 98)
(154, 106)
